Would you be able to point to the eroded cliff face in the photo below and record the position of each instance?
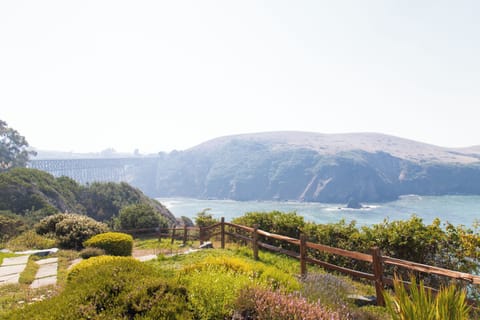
(302, 166)
(260, 170)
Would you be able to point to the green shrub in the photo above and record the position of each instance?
(91, 264)
(30, 240)
(205, 219)
(288, 224)
(49, 224)
(11, 225)
(114, 243)
(214, 283)
(140, 216)
(70, 230)
(418, 303)
(268, 276)
(90, 252)
(112, 288)
(211, 293)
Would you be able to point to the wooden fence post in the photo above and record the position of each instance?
(303, 255)
(173, 233)
(185, 234)
(378, 272)
(255, 242)
(222, 230)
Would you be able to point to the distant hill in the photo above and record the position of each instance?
(317, 167)
(331, 144)
(34, 193)
(304, 166)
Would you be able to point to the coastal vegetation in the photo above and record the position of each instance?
(28, 196)
(226, 283)
(438, 244)
(113, 243)
(36, 212)
(219, 284)
(213, 284)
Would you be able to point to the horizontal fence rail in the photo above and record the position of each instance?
(252, 236)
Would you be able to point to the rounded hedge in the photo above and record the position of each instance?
(87, 266)
(110, 287)
(114, 243)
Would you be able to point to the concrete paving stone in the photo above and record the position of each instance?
(15, 260)
(37, 283)
(12, 269)
(47, 270)
(47, 261)
(9, 279)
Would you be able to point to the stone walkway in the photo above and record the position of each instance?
(47, 273)
(11, 268)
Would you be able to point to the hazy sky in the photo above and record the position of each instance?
(162, 75)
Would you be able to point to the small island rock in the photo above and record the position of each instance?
(354, 204)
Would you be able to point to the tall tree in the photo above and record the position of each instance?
(14, 150)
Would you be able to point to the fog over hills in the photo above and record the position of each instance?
(329, 144)
(305, 166)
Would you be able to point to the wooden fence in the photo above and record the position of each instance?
(375, 258)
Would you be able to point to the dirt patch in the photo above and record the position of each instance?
(143, 252)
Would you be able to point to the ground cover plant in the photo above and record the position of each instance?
(214, 283)
(205, 285)
(6, 255)
(30, 240)
(112, 288)
(28, 274)
(220, 283)
(113, 243)
(217, 279)
(259, 303)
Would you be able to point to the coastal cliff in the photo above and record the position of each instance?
(303, 166)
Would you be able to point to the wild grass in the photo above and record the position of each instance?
(30, 240)
(6, 255)
(161, 246)
(65, 257)
(28, 274)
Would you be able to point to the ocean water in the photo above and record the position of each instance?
(464, 210)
